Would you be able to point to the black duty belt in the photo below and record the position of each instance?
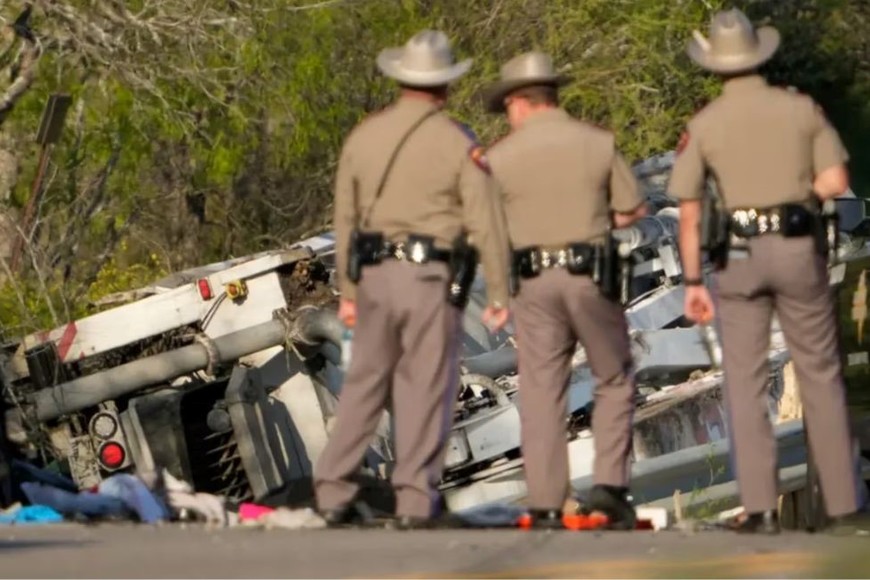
(576, 258)
(415, 252)
(788, 220)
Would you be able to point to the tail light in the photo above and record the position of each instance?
(204, 289)
(112, 455)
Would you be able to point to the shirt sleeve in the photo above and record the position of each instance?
(687, 174)
(625, 194)
(484, 219)
(344, 212)
(828, 148)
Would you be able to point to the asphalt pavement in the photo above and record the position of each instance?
(177, 551)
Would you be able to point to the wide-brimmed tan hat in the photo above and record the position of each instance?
(734, 45)
(426, 60)
(527, 69)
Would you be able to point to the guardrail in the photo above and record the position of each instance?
(688, 470)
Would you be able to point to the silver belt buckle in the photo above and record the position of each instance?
(546, 260)
(417, 253)
(557, 259)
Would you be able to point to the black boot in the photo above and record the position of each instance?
(437, 522)
(546, 519)
(758, 523)
(357, 513)
(613, 502)
(854, 524)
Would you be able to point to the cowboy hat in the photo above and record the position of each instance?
(529, 68)
(426, 60)
(734, 45)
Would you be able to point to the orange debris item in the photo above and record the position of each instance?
(583, 522)
(580, 522)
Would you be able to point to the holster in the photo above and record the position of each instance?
(526, 263)
(581, 259)
(464, 258)
(830, 231)
(514, 275)
(715, 231)
(606, 268)
(798, 221)
(365, 248)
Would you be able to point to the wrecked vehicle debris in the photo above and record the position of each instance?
(227, 377)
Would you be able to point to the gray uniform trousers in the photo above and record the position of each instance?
(552, 312)
(786, 276)
(406, 342)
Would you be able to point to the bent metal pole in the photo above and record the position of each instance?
(310, 325)
(128, 378)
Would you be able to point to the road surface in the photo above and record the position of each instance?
(176, 551)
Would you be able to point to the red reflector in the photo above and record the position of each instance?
(204, 288)
(112, 455)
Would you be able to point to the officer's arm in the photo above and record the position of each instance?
(626, 199)
(344, 214)
(483, 217)
(686, 183)
(829, 157)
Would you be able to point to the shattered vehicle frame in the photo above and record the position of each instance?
(228, 376)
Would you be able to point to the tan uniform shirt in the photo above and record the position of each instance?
(560, 177)
(434, 188)
(763, 145)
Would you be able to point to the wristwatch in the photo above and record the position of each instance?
(693, 281)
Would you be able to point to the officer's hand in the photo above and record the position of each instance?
(699, 305)
(495, 318)
(347, 312)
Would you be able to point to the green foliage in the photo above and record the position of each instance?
(239, 156)
(114, 278)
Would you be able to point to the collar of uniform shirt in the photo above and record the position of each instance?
(745, 83)
(546, 115)
(420, 103)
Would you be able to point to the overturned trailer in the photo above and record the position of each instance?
(228, 376)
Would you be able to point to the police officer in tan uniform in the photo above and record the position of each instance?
(409, 181)
(771, 152)
(564, 184)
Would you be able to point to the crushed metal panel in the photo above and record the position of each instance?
(124, 325)
(247, 405)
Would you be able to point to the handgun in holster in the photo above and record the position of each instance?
(606, 268)
(828, 236)
(513, 274)
(715, 231)
(464, 258)
(364, 248)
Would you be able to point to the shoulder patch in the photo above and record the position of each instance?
(682, 143)
(478, 156)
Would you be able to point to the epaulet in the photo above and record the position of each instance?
(498, 140)
(685, 135)
(589, 124)
(793, 90)
(368, 117)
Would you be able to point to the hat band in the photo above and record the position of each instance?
(732, 57)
